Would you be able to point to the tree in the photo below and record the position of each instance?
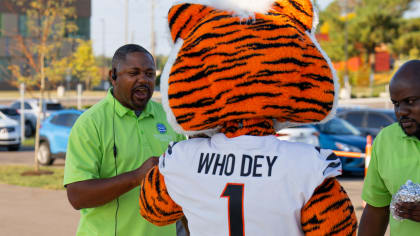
(358, 27)
(374, 22)
(377, 23)
(407, 45)
(84, 65)
(334, 20)
(40, 47)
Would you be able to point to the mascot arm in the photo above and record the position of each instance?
(156, 206)
(329, 211)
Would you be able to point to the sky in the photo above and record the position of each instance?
(108, 19)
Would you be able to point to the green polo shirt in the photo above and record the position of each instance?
(90, 156)
(395, 159)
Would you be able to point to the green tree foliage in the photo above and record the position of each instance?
(377, 22)
(372, 23)
(160, 64)
(103, 61)
(335, 19)
(84, 65)
(407, 45)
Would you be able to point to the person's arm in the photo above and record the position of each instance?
(374, 221)
(97, 192)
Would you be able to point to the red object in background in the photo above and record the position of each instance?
(354, 63)
(322, 37)
(382, 61)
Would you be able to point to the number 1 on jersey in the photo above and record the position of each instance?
(235, 194)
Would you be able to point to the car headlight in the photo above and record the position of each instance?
(347, 148)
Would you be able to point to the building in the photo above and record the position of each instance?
(13, 21)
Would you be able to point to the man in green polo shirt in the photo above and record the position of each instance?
(395, 159)
(109, 147)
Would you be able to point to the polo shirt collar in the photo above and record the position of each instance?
(121, 110)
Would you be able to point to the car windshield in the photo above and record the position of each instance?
(2, 116)
(338, 126)
(9, 111)
(301, 127)
(54, 106)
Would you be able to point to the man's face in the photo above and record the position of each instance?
(405, 95)
(135, 80)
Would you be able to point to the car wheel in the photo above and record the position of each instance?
(13, 147)
(29, 129)
(44, 154)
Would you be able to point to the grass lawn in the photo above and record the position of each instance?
(29, 142)
(11, 174)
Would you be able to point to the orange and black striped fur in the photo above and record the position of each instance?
(329, 211)
(233, 69)
(244, 77)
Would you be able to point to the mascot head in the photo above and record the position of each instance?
(245, 67)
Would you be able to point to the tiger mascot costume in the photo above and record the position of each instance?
(239, 71)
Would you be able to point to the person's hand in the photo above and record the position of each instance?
(408, 210)
(146, 166)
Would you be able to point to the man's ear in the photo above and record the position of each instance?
(110, 78)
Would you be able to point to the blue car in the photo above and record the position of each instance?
(338, 134)
(54, 135)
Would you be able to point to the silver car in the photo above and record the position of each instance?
(9, 133)
(304, 134)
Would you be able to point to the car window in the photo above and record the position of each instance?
(54, 106)
(376, 120)
(66, 120)
(27, 106)
(355, 118)
(9, 111)
(301, 126)
(338, 126)
(15, 105)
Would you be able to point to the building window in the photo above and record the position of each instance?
(23, 25)
(83, 25)
(1, 24)
(4, 72)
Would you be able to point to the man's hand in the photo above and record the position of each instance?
(408, 210)
(145, 167)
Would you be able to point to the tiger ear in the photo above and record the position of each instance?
(301, 11)
(183, 17)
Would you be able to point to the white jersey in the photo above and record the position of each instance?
(246, 185)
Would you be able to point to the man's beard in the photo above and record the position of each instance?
(416, 133)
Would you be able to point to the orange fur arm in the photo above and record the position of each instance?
(156, 206)
(329, 211)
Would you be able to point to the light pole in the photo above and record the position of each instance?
(103, 49)
(126, 21)
(152, 25)
(344, 14)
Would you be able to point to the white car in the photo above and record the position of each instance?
(9, 133)
(304, 134)
(31, 108)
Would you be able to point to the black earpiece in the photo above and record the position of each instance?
(114, 74)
